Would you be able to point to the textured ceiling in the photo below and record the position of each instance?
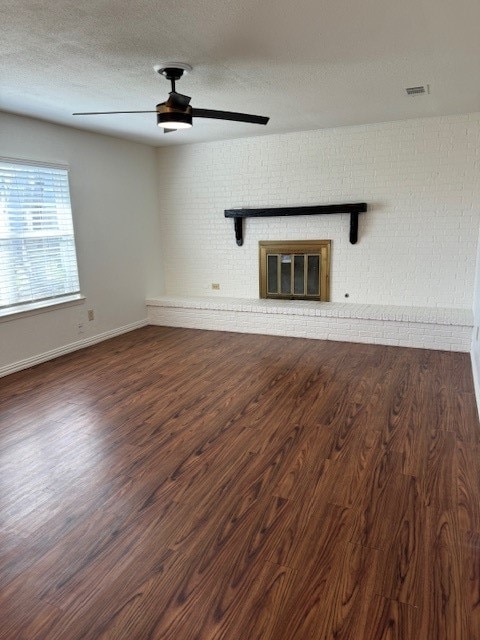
(307, 64)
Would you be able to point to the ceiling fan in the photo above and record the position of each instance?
(176, 112)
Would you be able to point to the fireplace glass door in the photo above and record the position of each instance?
(295, 270)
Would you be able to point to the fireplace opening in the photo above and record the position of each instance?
(295, 270)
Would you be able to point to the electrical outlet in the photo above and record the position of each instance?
(215, 286)
(91, 315)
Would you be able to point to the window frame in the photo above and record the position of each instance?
(33, 307)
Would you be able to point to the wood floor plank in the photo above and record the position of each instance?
(468, 485)
(323, 534)
(385, 503)
(27, 617)
(390, 620)
(351, 578)
(472, 581)
(351, 470)
(446, 613)
(183, 484)
(402, 565)
(220, 585)
(438, 481)
(460, 413)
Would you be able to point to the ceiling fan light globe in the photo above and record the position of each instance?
(174, 120)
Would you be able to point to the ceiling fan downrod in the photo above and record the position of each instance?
(172, 71)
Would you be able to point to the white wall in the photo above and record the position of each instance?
(475, 352)
(417, 243)
(115, 210)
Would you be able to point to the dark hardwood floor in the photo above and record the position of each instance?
(188, 485)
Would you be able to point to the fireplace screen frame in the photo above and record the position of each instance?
(320, 248)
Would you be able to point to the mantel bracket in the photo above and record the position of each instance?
(353, 208)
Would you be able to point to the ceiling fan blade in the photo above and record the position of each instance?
(229, 115)
(178, 100)
(106, 113)
(169, 130)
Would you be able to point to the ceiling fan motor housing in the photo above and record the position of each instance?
(166, 115)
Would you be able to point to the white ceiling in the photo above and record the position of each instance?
(307, 64)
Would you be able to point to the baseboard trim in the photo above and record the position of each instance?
(68, 348)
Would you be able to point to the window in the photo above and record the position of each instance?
(295, 270)
(38, 261)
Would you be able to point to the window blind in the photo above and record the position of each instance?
(37, 247)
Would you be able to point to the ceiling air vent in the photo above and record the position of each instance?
(416, 91)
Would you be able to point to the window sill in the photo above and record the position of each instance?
(35, 308)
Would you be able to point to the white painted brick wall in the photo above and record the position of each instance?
(444, 329)
(417, 243)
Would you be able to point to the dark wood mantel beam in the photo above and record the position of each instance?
(353, 208)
